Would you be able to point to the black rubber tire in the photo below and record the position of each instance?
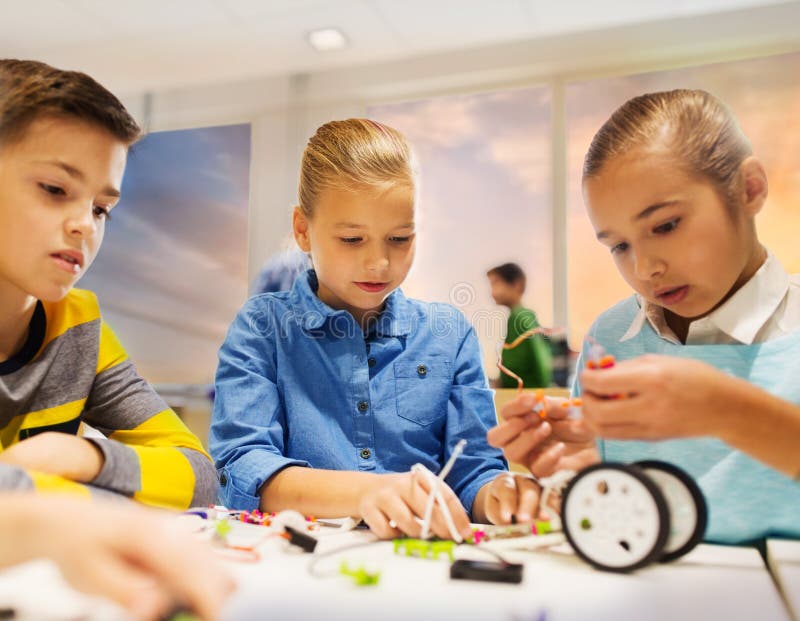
(699, 501)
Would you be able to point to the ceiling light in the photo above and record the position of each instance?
(327, 39)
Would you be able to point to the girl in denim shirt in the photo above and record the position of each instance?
(328, 394)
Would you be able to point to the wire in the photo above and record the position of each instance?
(516, 343)
(312, 566)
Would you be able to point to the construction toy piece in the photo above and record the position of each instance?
(687, 507)
(424, 549)
(435, 495)
(222, 529)
(661, 511)
(298, 538)
(606, 362)
(360, 575)
(516, 343)
(486, 571)
(478, 535)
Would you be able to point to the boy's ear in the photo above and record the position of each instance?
(754, 185)
(300, 228)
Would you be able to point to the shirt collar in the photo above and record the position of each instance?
(394, 320)
(740, 317)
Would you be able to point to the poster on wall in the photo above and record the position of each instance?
(172, 271)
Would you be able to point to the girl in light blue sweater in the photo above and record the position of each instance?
(708, 348)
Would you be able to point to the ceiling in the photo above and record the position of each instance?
(156, 44)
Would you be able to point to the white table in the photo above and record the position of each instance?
(712, 583)
(784, 561)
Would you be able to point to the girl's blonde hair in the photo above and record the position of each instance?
(697, 128)
(352, 155)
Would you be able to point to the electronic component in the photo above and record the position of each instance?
(301, 539)
(486, 571)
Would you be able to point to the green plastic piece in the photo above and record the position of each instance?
(360, 576)
(221, 529)
(424, 549)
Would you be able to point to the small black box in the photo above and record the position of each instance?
(487, 571)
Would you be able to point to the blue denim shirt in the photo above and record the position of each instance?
(299, 383)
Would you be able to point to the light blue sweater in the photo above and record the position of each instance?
(747, 500)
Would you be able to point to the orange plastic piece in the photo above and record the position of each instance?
(606, 362)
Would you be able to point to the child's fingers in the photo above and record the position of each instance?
(528, 493)
(401, 517)
(184, 566)
(555, 407)
(547, 463)
(527, 442)
(453, 504)
(492, 509)
(626, 376)
(506, 432)
(378, 523)
(519, 406)
(112, 577)
(504, 489)
(457, 514)
(601, 412)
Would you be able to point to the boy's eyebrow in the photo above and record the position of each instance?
(643, 214)
(78, 174)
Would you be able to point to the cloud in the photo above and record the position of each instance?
(443, 122)
(526, 157)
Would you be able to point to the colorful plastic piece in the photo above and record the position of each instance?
(360, 576)
(221, 530)
(424, 549)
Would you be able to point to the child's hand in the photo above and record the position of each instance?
(543, 446)
(654, 397)
(391, 507)
(511, 496)
(121, 551)
(56, 453)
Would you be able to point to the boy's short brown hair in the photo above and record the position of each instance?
(31, 89)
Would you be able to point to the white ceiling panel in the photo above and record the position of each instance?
(154, 44)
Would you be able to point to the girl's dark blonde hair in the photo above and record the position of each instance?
(696, 127)
(353, 155)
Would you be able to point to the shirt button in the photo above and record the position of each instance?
(223, 480)
(422, 370)
(366, 453)
(363, 406)
(371, 362)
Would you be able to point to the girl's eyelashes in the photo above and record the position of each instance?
(52, 190)
(350, 240)
(398, 239)
(101, 212)
(667, 227)
(620, 247)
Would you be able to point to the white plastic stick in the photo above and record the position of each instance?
(436, 494)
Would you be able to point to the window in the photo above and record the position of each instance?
(485, 200)
(764, 97)
(172, 270)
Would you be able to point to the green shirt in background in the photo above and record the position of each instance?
(531, 359)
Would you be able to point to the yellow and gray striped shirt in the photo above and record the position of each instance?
(72, 369)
